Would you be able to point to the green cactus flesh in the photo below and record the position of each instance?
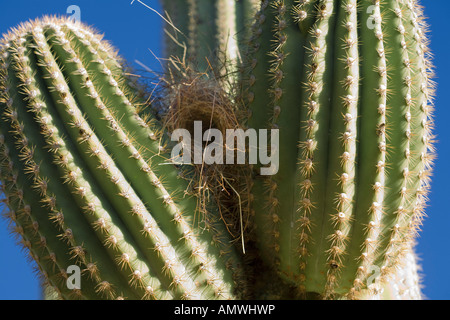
(88, 178)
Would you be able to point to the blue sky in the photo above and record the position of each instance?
(136, 31)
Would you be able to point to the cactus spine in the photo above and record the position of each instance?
(88, 178)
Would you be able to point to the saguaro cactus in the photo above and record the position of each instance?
(88, 178)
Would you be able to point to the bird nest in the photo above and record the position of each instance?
(199, 98)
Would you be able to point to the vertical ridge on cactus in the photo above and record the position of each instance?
(87, 173)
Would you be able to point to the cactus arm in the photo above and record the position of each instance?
(129, 201)
(149, 258)
(150, 186)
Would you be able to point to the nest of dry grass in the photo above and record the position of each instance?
(190, 96)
